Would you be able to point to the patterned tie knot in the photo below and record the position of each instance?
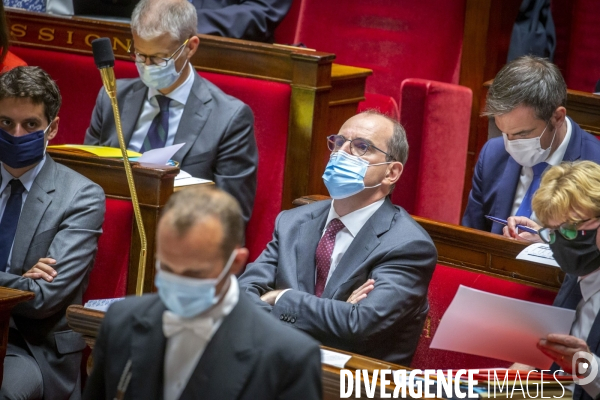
(335, 225)
(538, 169)
(16, 187)
(163, 102)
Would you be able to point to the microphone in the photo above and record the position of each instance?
(105, 61)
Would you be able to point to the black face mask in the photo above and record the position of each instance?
(579, 256)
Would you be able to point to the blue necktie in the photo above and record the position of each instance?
(525, 207)
(159, 129)
(10, 220)
(29, 5)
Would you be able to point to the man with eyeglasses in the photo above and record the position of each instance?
(171, 104)
(527, 101)
(353, 272)
(568, 207)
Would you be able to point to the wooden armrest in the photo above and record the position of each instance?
(304, 200)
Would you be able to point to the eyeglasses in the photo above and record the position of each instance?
(358, 147)
(568, 230)
(155, 60)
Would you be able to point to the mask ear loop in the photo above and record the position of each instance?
(373, 165)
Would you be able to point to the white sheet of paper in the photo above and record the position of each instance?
(539, 253)
(184, 179)
(500, 327)
(160, 156)
(334, 359)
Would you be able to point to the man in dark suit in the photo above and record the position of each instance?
(352, 272)
(200, 336)
(241, 19)
(172, 104)
(527, 101)
(50, 221)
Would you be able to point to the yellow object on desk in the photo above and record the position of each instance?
(100, 151)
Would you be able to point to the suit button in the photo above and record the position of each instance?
(293, 320)
(281, 317)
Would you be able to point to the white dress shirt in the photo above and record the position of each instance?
(150, 109)
(526, 176)
(26, 180)
(184, 349)
(585, 315)
(353, 223)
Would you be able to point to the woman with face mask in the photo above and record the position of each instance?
(568, 206)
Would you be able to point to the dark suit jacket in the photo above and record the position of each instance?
(497, 175)
(569, 296)
(217, 129)
(390, 248)
(250, 356)
(62, 219)
(241, 19)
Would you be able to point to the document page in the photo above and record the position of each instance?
(490, 325)
(539, 253)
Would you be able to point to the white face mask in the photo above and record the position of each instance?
(158, 77)
(528, 152)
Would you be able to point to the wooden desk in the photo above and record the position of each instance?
(8, 299)
(323, 95)
(154, 187)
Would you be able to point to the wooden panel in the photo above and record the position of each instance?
(154, 187)
(584, 108)
(314, 80)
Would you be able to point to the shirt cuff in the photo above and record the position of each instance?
(593, 388)
(280, 294)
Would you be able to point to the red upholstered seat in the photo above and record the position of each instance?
(436, 117)
(443, 287)
(397, 40)
(384, 104)
(109, 276)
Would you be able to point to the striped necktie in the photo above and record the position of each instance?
(159, 129)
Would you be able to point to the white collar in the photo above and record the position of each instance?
(356, 219)
(590, 284)
(182, 92)
(26, 179)
(557, 157)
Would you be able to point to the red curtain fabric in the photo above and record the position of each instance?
(11, 61)
(436, 117)
(397, 40)
(442, 289)
(384, 104)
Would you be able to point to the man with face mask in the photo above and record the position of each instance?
(352, 272)
(527, 100)
(200, 337)
(50, 221)
(171, 104)
(568, 207)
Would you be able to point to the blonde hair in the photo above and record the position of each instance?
(566, 189)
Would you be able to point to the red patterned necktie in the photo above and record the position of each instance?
(323, 254)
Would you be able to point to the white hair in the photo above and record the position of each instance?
(152, 18)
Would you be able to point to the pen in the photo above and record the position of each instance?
(503, 222)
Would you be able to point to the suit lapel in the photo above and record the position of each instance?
(507, 187)
(194, 117)
(593, 339)
(228, 356)
(361, 247)
(309, 234)
(132, 108)
(573, 151)
(38, 201)
(148, 345)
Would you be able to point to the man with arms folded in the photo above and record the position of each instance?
(527, 100)
(200, 337)
(50, 221)
(352, 272)
(170, 104)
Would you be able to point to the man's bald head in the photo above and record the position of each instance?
(153, 18)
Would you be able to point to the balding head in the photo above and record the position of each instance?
(153, 18)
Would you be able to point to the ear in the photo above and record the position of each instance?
(559, 116)
(394, 172)
(239, 262)
(53, 130)
(193, 44)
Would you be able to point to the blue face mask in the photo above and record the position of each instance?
(157, 77)
(22, 151)
(188, 297)
(344, 175)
